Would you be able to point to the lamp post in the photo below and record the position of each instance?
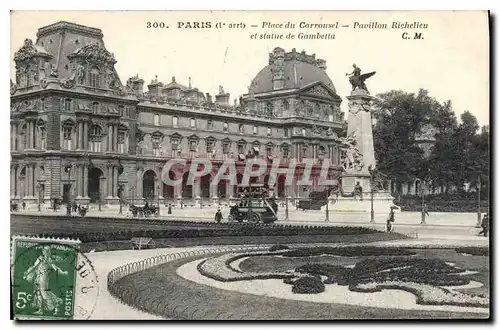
(478, 225)
(286, 203)
(120, 191)
(68, 169)
(422, 192)
(100, 194)
(372, 187)
(327, 219)
(158, 189)
(39, 188)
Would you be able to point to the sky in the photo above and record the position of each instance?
(451, 61)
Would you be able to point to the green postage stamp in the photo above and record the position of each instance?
(51, 280)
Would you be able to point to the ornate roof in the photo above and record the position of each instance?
(94, 53)
(29, 50)
(299, 69)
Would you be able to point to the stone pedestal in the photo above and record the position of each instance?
(215, 201)
(357, 158)
(179, 201)
(382, 203)
(198, 201)
(30, 200)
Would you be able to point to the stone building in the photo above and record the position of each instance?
(79, 133)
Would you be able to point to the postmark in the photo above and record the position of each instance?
(51, 280)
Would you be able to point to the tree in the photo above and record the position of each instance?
(400, 116)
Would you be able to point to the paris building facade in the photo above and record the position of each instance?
(79, 133)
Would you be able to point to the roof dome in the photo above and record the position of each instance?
(299, 70)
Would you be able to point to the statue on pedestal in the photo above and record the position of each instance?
(357, 79)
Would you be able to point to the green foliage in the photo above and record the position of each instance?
(459, 154)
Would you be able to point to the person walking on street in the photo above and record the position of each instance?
(390, 219)
(218, 216)
(485, 224)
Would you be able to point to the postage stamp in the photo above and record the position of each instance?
(51, 279)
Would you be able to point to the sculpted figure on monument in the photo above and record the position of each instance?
(80, 73)
(357, 79)
(53, 71)
(352, 158)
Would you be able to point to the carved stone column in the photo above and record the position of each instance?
(86, 181)
(109, 182)
(13, 172)
(109, 143)
(86, 137)
(115, 138)
(78, 180)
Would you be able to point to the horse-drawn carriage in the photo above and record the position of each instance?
(253, 204)
(143, 211)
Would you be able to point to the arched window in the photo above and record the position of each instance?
(286, 132)
(269, 131)
(156, 120)
(95, 138)
(210, 125)
(175, 121)
(43, 137)
(192, 123)
(321, 150)
(241, 129)
(255, 130)
(95, 107)
(94, 78)
(225, 127)
(121, 141)
(286, 105)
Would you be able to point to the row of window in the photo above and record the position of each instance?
(210, 125)
(95, 139)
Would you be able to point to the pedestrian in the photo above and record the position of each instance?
(426, 210)
(218, 216)
(485, 224)
(75, 206)
(24, 205)
(390, 219)
(68, 209)
(169, 209)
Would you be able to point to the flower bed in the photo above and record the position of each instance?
(308, 284)
(218, 268)
(426, 294)
(422, 277)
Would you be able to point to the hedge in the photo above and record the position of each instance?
(308, 284)
(214, 232)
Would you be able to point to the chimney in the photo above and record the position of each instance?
(154, 89)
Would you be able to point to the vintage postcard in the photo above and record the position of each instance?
(259, 165)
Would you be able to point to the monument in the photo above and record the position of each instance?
(360, 181)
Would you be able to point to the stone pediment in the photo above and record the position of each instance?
(317, 89)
